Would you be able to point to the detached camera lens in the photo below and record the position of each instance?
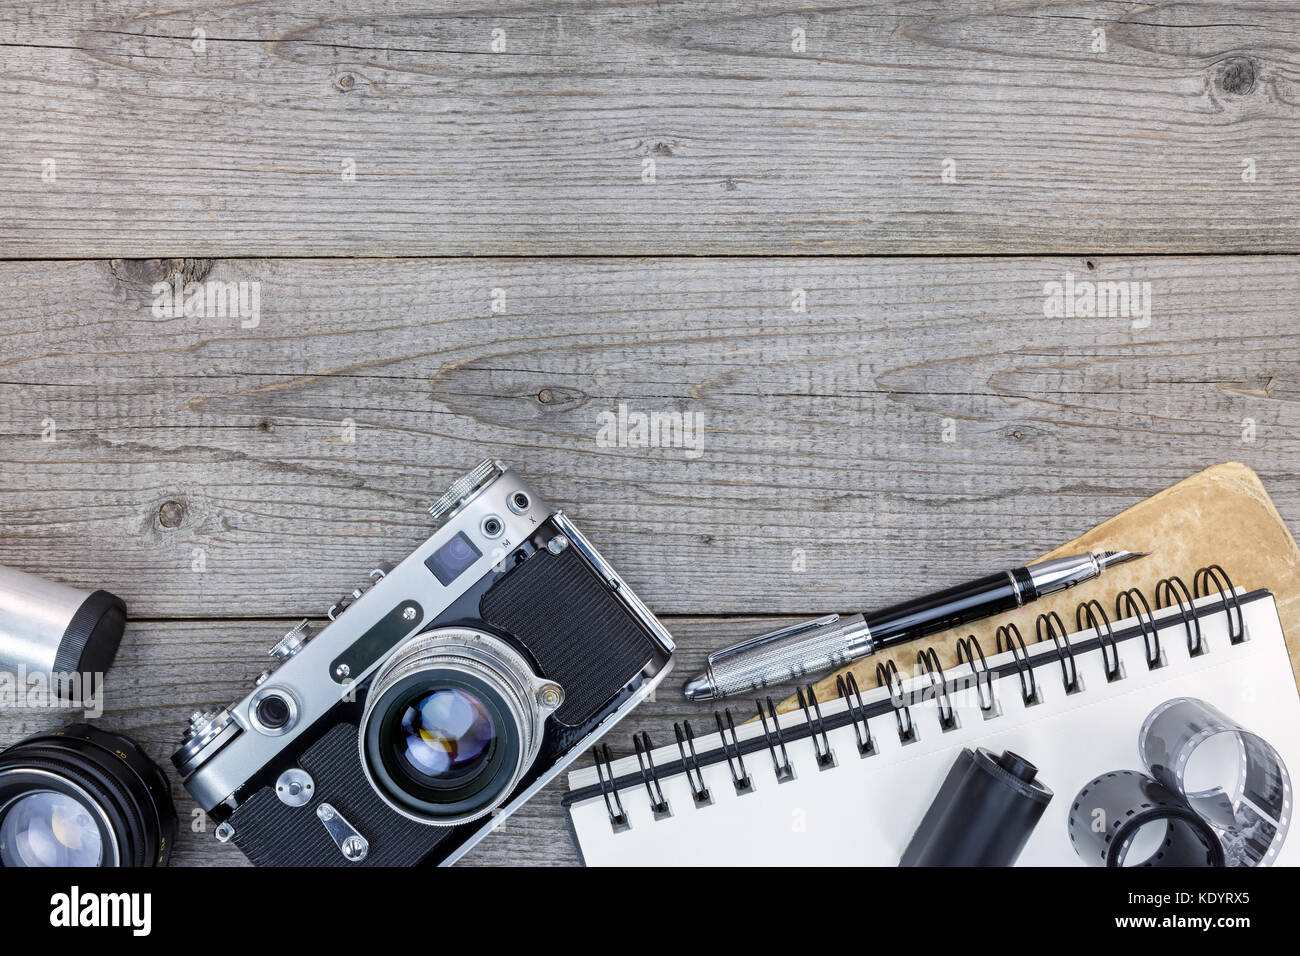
(47, 828)
(83, 797)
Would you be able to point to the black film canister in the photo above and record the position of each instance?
(984, 813)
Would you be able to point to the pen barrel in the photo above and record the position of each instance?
(950, 608)
(790, 656)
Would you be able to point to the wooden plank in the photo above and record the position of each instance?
(826, 479)
(165, 670)
(773, 127)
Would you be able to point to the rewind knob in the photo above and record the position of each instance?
(293, 641)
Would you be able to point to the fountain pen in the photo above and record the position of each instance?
(794, 652)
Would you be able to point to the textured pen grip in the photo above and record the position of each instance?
(790, 657)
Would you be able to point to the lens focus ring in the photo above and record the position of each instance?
(54, 788)
(452, 722)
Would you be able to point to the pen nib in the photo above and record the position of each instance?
(1108, 559)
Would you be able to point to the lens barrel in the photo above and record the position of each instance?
(452, 722)
(83, 796)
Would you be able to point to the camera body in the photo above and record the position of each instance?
(437, 701)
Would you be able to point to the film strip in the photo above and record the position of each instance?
(1175, 616)
(1233, 810)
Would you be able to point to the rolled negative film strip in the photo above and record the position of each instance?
(1217, 795)
(1232, 778)
(984, 813)
(1126, 818)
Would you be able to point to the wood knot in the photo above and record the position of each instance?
(144, 273)
(346, 81)
(265, 425)
(1237, 76)
(560, 397)
(170, 514)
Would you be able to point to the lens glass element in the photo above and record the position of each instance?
(446, 739)
(44, 828)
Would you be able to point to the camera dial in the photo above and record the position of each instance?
(293, 641)
(466, 487)
(207, 732)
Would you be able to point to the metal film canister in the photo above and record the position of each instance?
(1233, 779)
(984, 813)
(56, 631)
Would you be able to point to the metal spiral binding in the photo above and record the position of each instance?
(1133, 603)
(983, 676)
(649, 775)
(605, 763)
(740, 781)
(1171, 589)
(1028, 691)
(1223, 584)
(1170, 593)
(825, 756)
(699, 792)
(1086, 617)
(1051, 625)
(846, 683)
(887, 676)
(929, 661)
(784, 770)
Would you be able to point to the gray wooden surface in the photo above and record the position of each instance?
(866, 418)
(235, 142)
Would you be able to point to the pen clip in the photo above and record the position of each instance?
(770, 636)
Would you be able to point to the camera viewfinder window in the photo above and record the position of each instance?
(452, 558)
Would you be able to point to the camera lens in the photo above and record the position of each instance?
(447, 737)
(83, 797)
(452, 722)
(47, 828)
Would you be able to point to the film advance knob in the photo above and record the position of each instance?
(463, 487)
(293, 641)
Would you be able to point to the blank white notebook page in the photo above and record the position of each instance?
(864, 810)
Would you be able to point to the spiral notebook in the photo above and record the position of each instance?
(846, 780)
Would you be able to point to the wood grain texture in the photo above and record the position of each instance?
(825, 434)
(165, 670)
(239, 148)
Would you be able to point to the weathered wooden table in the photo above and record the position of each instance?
(856, 244)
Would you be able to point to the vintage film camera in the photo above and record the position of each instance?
(437, 701)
